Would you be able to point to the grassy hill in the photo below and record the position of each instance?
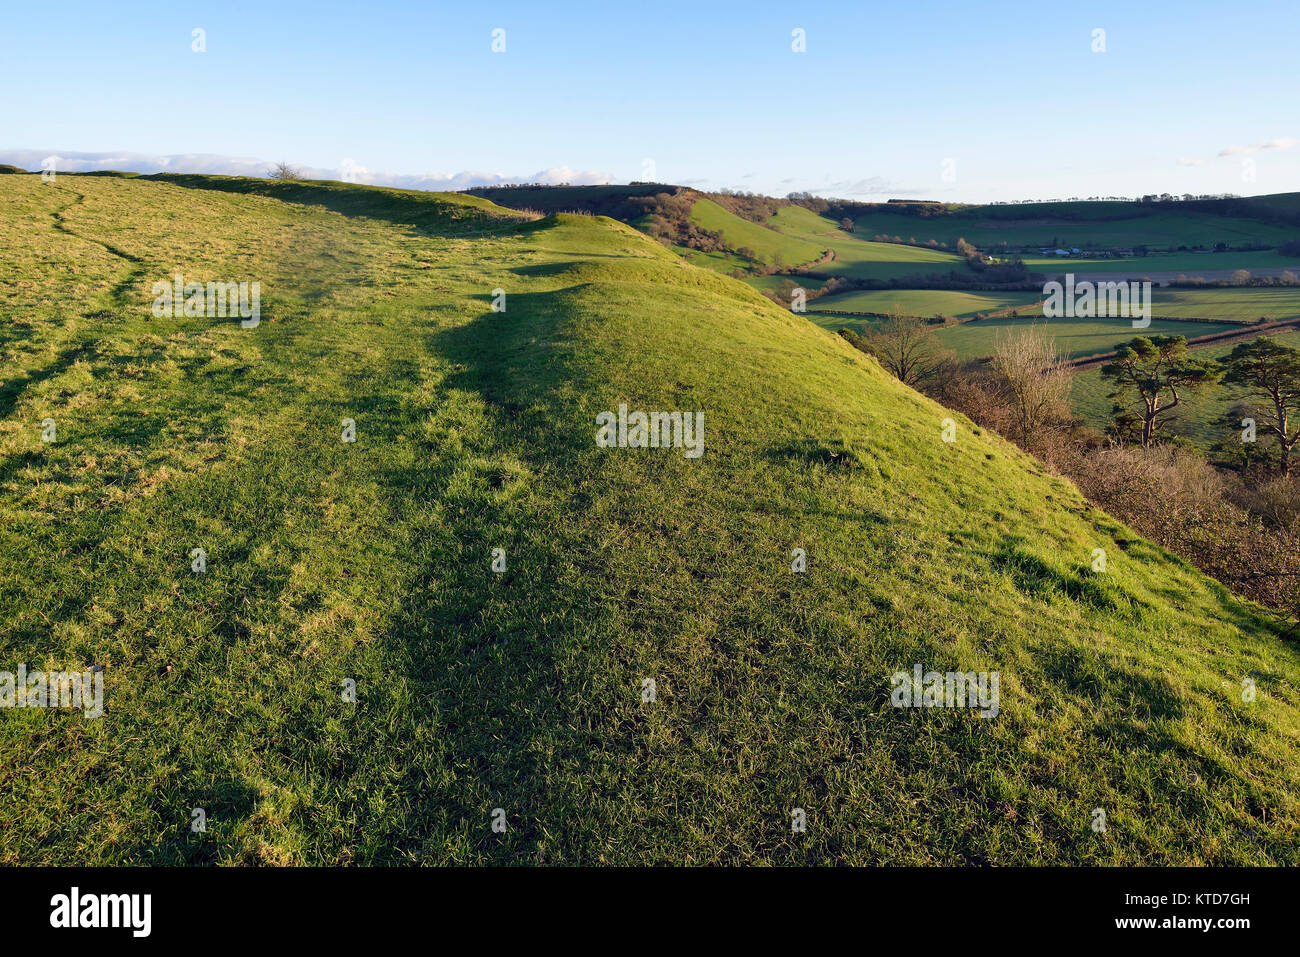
(860, 259)
(770, 247)
(371, 562)
(614, 201)
(1083, 224)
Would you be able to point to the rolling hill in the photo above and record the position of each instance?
(857, 258)
(771, 248)
(526, 689)
(1083, 223)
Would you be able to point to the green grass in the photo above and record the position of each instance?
(764, 283)
(771, 247)
(1223, 306)
(926, 302)
(1227, 304)
(1203, 417)
(1156, 263)
(475, 429)
(718, 261)
(1074, 337)
(1075, 224)
(858, 259)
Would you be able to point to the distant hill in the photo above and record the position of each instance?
(1263, 221)
(617, 202)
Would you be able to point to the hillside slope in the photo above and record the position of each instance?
(768, 246)
(371, 562)
(858, 258)
(1084, 223)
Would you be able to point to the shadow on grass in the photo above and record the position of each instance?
(484, 653)
(10, 391)
(223, 806)
(832, 453)
(1036, 578)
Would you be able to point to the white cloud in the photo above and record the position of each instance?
(348, 169)
(874, 186)
(1187, 161)
(563, 174)
(1280, 143)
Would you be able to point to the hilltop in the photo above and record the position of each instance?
(371, 562)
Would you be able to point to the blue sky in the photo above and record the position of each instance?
(1011, 93)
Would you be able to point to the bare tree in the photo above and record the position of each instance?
(908, 348)
(283, 170)
(1038, 378)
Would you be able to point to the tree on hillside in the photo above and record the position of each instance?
(1160, 371)
(1270, 372)
(907, 348)
(1038, 378)
(283, 170)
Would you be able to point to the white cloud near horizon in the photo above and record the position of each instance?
(69, 161)
(1280, 143)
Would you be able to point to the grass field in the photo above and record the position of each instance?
(1191, 263)
(926, 302)
(1202, 419)
(1230, 305)
(1074, 337)
(523, 690)
(1075, 224)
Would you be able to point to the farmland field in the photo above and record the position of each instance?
(1074, 224)
(1226, 305)
(1193, 264)
(1074, 337)
(925, 302)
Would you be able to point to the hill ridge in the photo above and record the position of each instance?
(524, 689)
